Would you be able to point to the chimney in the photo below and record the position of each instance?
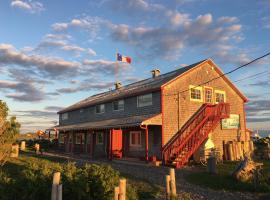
(155, 73)
(117, 85)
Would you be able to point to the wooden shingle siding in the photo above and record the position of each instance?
(130, 109)
(176, 113)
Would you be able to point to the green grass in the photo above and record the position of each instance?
(224, 181)
(137, 188)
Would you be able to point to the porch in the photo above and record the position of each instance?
(139, 139)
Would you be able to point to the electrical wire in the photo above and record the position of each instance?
(229, 72)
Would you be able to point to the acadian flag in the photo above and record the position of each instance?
(123, 58)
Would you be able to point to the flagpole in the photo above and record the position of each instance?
(116, 67)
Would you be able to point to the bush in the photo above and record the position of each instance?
(32, 179)
(44, 144)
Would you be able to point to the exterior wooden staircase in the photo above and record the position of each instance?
(188, 139)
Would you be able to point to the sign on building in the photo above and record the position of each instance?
(231, 123)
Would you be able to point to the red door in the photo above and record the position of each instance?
(117, 145)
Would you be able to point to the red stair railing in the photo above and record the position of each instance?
(188, 139)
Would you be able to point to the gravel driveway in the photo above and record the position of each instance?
(156, 175)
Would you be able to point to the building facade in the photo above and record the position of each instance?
(142, 120)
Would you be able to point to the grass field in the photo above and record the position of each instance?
(224, 181)
(21, 174)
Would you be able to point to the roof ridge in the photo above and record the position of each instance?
(139, 86)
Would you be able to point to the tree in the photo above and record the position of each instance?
(8, 131)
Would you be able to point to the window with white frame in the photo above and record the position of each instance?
(64, 116)
(118, 105)
(135, 139)
(61, 139)
(195, 93)
(100, 108)
(99, 137)
(220, 96)
(208, 94)
(144, 100)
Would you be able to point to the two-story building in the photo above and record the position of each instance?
(168, 116)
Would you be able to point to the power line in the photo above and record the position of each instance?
(252, 76)
(229, 72)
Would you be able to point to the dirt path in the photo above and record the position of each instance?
(156, 176)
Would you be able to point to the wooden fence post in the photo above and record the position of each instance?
(14, 151)
(56, 187)
(230, 151)
(239, 147)
(59, 192)
(173, 183)
(122, 189)
(116, 193)
(37, 147)
(168, 190)
(225, 154)
(234, 151)
(22, 145)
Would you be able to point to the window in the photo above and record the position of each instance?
(195, 93)
(144, 100)
(79, 139)
(100, 108)
(64, 116)
(99, 138)
(118, 105)
(135, 139)
(220, 96)
(208, 95)
(61, 139)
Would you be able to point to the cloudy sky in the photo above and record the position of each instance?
(56, 52)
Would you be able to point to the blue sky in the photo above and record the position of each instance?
(54, 53)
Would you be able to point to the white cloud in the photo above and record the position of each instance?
(56, 41)
(204, 19)
(60, 26)
(169, 39)
(177, 18)
(235, 28)
(24, 91)
(227, 19)
(91, 52)
(30, 6)
(53, 67)
(134, 6)
(57, 36)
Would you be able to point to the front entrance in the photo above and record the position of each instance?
(117, 143)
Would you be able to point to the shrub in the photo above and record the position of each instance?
(8, 131)
(33, 178)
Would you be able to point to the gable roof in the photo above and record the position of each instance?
(140, 87)
(218, 70)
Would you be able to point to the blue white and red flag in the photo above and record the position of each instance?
(123, 58)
